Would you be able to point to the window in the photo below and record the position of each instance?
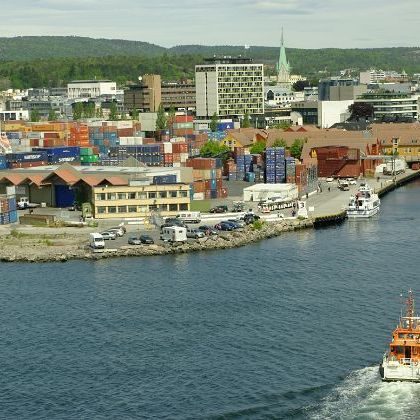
(183, 206)
(131, 195)
(183, 194)
(143, 209)
(153, 207)
(100, 196)
(152, 195)
(173, 207)
(100, 209)
(122, 209)
(142, 196)
(163, 207)
(163, 194)
(112, 209)
(122, 196)
(132, 209)
(112, 196)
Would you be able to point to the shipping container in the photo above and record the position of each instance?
(164, 179)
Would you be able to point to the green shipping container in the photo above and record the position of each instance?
(89, 159)
(86, 151)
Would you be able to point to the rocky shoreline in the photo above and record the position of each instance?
(30, 248)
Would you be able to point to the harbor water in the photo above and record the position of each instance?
(291, 327)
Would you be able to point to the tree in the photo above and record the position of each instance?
(362, 110)
(35, 117)
(296, 148)
(246, 123)
(300, 85)
(89, 110)
(213, 148)
(51, 115)
(214, 122)
(161, 120)
(77, 110)
(134, 114)
(258, 147)
(113, 113)
(279, 143)
(172, 113)
(282, 125)
(99, 113)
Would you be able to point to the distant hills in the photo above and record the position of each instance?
(53, 60)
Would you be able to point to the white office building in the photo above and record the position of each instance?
(90, 88)
(229, 87)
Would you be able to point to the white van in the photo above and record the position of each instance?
(189, 216)
(174, 234)
(96, 241)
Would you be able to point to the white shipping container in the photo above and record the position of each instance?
(178, 140)
(198, 196)
(184, 157)
(167, 147)
(124, 124)
(176, 164)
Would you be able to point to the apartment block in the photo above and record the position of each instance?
(229, 87)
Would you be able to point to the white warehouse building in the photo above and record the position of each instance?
(90, 88)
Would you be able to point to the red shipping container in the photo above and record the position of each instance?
(148, 140)
(168, 157)
(219, 183)
(179, 147)
(183, 118)
(199, 186)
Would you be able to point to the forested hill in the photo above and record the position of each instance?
(53, 61)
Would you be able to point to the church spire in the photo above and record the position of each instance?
(283, 66)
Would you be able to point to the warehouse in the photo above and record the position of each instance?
(262, 192)
(61, 186)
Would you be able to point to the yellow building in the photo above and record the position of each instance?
(133, 201)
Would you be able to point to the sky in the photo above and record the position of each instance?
(307, 23)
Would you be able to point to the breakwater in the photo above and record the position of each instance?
(30, 248)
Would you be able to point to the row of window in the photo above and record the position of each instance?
(141, 209)
(142, 195)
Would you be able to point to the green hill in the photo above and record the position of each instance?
(54, 60)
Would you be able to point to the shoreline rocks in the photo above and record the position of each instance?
(226, 240)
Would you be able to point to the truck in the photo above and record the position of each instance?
(173, 234)
(395, 167)
(96, 241)
(189, 216)
(24, 203)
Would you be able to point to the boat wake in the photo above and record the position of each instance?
(362, 395)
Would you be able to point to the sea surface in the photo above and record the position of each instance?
(291, 327)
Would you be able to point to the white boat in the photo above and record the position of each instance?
(365, 203)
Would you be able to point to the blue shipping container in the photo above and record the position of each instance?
(3, 162)
(35, 156)
(164, 179)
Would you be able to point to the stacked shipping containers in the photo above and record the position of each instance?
(207, 174)
(275, 168)
(8, 211)
(88, 156)
(58, 155)
(290, 170)
(26, 159)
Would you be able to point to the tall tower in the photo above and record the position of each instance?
(283, 66)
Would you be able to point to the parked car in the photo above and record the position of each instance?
(239, 223)
(208, 230)
(146, 239)
(251, 218)
(219, 209)
(195, 233)
(109, 235)
(117, 230)
(134, 240)
(174, 221)
(96, 241)
(351, 181)
(224, 226)
(329, 179)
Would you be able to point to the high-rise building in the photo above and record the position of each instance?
(229, 86)
(146, 96)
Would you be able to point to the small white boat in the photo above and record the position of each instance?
(364, 204)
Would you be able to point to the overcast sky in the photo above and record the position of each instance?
(307, 23)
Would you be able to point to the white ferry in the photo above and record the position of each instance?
(365, 203)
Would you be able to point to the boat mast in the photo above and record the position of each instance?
(410, 309)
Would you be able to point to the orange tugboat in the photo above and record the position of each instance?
(402, 362)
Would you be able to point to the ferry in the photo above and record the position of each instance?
(402, 362)
(365, 203)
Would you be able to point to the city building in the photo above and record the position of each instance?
(280, 96)
(392, 106)
(378, 76)
(145, 96)
(332, 112)
(339, 89)
(179, 96)
(21, 114)
(229, 86)
(90, 88)
(308, 110)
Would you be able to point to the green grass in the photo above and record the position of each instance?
(201, 205)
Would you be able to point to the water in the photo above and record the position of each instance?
(292, 327)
